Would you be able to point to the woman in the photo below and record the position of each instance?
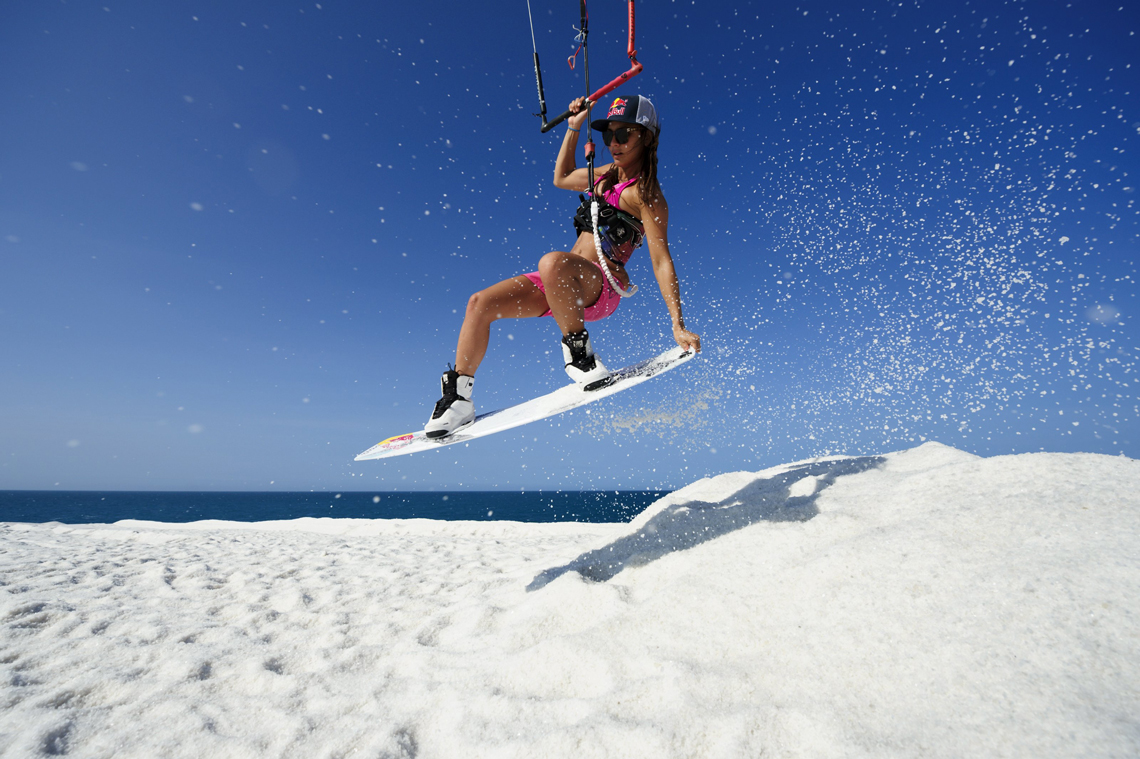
(571, 285)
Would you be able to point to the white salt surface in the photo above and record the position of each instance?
(924, 603)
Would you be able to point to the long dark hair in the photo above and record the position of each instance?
(648, 189)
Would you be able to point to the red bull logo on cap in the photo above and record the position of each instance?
(618, 107)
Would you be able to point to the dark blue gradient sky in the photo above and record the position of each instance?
(236, 239)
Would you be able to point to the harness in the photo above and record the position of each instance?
(619, 233)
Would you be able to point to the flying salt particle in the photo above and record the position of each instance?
(712, 130)
(197, 206)
(72, 443)
(79, 166)
(194, 429)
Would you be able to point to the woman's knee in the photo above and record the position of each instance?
(489, 305)
(552, 265)
(477, 305)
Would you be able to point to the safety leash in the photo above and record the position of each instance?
(601, 256)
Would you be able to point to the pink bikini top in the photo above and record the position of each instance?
(613, 195)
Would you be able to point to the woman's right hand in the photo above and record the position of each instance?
(581, 113)
(686, 339)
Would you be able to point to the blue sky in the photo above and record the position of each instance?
(236, 240)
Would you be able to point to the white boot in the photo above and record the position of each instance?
(454, 409)
(582, 365)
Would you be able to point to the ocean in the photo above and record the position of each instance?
(78, 507)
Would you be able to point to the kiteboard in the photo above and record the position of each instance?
(561, 400)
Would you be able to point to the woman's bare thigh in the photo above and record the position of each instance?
(514, 298)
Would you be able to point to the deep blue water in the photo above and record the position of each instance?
(75, 507)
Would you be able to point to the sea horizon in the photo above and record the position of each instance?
(179, 506)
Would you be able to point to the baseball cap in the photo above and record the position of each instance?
(635, 109)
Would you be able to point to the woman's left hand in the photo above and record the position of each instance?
(686, 339)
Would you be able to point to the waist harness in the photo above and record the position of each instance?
(621, 233)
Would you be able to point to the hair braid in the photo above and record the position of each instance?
(648, 189)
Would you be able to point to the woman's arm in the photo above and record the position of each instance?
(655, 219)
(566, 174)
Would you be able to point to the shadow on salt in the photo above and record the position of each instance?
(786, 497)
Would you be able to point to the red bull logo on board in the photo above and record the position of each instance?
(399, 441)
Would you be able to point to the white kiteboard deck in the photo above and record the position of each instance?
(562, 399)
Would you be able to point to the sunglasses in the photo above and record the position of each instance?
(621, 135)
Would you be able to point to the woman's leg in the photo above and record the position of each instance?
(572, 285)
(514, 298)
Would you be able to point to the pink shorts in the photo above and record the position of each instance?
(605, 305)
